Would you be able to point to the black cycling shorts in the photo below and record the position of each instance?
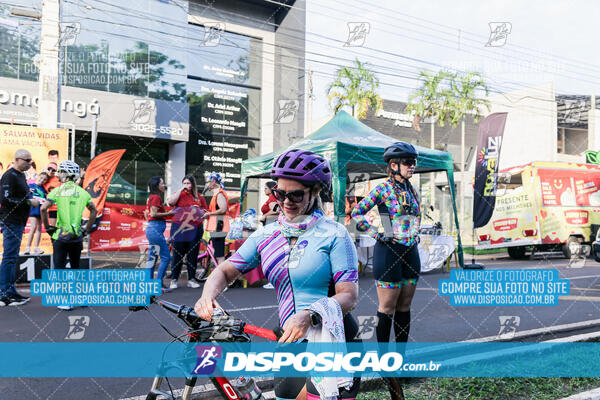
(289, 388)
(395, 265)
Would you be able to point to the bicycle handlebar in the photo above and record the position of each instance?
(189, 316)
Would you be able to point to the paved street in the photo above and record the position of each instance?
(434, 320)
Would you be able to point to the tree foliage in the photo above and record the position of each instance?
(355, 87)
(447, 97)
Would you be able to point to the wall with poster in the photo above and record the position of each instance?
(45, 242)
(38, 141)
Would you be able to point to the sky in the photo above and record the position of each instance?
(549, 41)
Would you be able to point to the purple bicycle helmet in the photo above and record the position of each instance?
(303, 166)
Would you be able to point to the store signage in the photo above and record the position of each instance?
(79, 108)
(116, 113)
(400, 119)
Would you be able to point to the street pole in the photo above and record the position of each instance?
(432, 132)
(50, 76)
(462, 172)
(18, 50)
(309, 104)
(94, 137)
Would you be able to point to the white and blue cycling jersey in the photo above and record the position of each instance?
(322, 256)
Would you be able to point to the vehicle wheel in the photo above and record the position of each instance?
(596, 255)
(517, 253)
(203, 268)
(568, 248)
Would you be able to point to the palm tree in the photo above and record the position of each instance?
(355, 87)
(448, 97)
(432, 100)
(465, 88)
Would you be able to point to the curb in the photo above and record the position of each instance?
(593, 394)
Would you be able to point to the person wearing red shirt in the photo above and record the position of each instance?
(186, 230)
(270, 209)
(52, 183)
(155, 211)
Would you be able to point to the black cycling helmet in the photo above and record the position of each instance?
(399, 150)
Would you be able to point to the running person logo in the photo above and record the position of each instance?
(366, 326)
(77, 326)
(212, 34)
(499, 32)
(207, 359)
(357, 34)
(579, 253)
(508, 326)
(68, 33)
(143, 110)
(287, 111)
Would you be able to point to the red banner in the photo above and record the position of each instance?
(121, 229)
(568, 187)
(98, 175)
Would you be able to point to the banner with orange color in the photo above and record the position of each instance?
(98, 176)
(38, 141)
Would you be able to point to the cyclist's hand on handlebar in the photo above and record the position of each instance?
(204, 307)
(296, 327)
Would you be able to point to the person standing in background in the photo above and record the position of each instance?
(67, 235)
(218, 215)
(14, 211)
(270, 210)
(35, 218)
(155, 231)
(31, 174)
(53, 156)
(396, 262)
(186, 230)
(53, 183)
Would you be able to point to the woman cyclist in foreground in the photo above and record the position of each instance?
(396, 263)
(306, 256)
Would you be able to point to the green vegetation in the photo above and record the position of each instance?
(469, 250)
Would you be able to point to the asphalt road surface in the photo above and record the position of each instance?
(433, 320)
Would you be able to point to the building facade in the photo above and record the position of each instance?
(183, 86)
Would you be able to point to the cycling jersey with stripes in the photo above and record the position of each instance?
(322, 256)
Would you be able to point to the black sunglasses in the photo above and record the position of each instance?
(51, 170)
(295, 196)
(24, 159)
(409, 162)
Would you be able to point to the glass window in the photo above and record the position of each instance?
(137, 48)
(19, 42)
(215, 54)
(143, 159)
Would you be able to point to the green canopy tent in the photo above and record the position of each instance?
(356, 149)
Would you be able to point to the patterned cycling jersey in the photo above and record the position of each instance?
(322, 256)
(400, 202)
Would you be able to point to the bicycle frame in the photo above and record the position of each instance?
(223, 328)
(209, 252)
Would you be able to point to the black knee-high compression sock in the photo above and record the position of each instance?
(402, 325)
(384, 327)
